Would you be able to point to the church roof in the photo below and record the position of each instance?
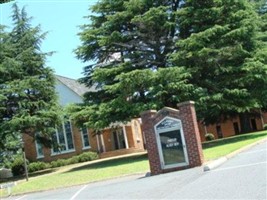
(74, 85)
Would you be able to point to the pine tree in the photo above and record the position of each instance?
(5, 60)
(130, 42)
(4, 1)
(219, 47)
(28, 99)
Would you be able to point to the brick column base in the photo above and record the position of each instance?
(187, 115)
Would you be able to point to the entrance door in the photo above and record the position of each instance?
(119, 141)
(219, 131)
(115, 139)
(253, 124)
(236, 128)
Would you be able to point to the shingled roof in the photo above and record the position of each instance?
(74, 85)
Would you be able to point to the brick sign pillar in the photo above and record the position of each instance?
(172, 138)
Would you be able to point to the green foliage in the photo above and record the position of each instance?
(265, 126)
(17, 166)
(59, 163)
(12, 149)
(38, 166)
(221, 147)
(151, 54)
(4, 1)
(84, 174)
(87, 156)
(84, 157)
(220, 49)
(73, 160)
(209, 137)
(131, 42)
(27, 87)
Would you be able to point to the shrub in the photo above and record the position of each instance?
(54, 164)
(62, 162)
(17, 167)
(73, 160)
(8, 157)
(209, 137)
(37, 166)
(265, 126)
(87, 156)
(59, 163)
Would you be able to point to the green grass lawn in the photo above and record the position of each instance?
(222, 147)
(83, 174)
(90, 172)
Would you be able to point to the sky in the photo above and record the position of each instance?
(61, 19)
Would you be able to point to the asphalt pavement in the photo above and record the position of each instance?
(243, 176)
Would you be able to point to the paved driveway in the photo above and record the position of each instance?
(241, 177)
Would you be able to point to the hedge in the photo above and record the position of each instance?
(84, 157)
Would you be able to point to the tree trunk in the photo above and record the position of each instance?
(245, 122)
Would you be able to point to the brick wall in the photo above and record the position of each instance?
(227, 127)
(137, 134)
(191, 133)
(30, 150)
(130, 137)
(77, 140)
(93, 140)
(31, 153)
(78, 148)
(108, 139)
(148, 121)
(187, 115)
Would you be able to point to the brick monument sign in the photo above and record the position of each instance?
(172, 138)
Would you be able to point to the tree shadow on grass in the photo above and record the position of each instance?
(31, 175)
(234, 139)
(110, 163)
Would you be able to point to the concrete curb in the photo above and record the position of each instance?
(216, 163)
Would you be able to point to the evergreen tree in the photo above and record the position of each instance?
(4, 1)
(130, 41)
(219, 48)
(10, 143)
(28, 99)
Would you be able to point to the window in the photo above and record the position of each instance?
(62, 139)
(39, 149)
(68, 133)
(85, 138)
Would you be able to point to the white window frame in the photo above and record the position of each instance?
(53, 153)
(37, 145)
(82, 136)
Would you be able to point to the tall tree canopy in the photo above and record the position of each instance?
(27, 87)
(157, 53)
(130, 41)
(4, 1)
(219, 47)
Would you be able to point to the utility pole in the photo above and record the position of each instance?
(25, 162)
